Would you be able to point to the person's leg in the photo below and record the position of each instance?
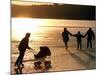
(90, 44)
(21, 57)
(77, 45)
(80, 45)
(17, 61)
(66, 44)
(87, 43)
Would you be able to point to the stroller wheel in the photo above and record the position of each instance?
(47, 64)
(37, 65)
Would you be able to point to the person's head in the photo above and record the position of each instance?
(27, 35)
(65, 29)
(90, 28)
(78, 32)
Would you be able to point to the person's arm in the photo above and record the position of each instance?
(93, 35)
(74, 35)
(82, 36)
(86, 33)
(69, 33)
(62, 34)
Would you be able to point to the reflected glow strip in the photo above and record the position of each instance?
(80, 2)
(28, 3)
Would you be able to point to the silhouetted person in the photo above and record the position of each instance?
(65, 35)
(79, 41)
(90, 35)
(22, 48)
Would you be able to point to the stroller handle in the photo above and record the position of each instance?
(33, 51)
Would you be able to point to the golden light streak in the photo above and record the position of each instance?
(20, 26)
(30, 3)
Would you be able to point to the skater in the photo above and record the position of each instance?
(65, 35)
(90, 35)
(79, 41)
(22, 48)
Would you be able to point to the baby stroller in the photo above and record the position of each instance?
(41, 58)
